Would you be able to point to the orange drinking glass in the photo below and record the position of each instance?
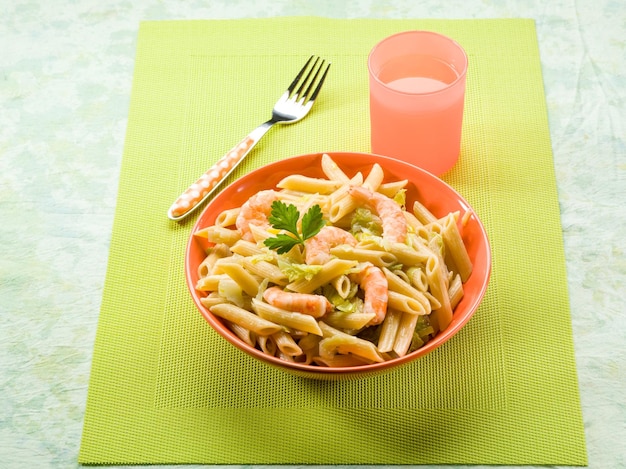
(417, 94)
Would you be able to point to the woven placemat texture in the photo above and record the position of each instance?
(166, 389)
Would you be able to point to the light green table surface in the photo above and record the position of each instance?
(65, 81)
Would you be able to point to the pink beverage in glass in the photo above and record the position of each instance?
(417, 92)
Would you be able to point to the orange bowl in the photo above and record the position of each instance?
(431, 191)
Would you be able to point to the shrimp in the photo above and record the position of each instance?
(313, 305)
(318, 247)
(255, 211)
(376, 289)
(394, 222)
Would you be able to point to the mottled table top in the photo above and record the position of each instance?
(66, 72)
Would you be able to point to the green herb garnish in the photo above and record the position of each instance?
(285, 217)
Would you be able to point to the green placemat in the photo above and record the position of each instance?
(166, 389)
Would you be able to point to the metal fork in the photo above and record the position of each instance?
(292, 106)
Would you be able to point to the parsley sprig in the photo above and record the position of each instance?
(285, 217)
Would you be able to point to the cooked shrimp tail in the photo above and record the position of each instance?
(255, 211)
(393, 220)
(318, 247)
(305, 303)
(376, 291)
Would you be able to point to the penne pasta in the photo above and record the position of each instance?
(437, 281)
(378, 258)
(248, 282)
(407, 255)
(374, 178)
(212, 299)
(424, 215)
(248, 248)
(245, 319)
(390, 189)
(401, 274)
(348, 321)
(339, 361)
(412, 221)
(342, 285)
(389, 330)
(284, 357)
(406, 304)
(327, 330)
(298, 321)
(303, 200)
(455, 291)
(417, 278)
(331, 270)
(243, 333)
(344, 344)
(332, 170)
(266, 270)
(309, 342)
(466, 218)
(398, 285)
(297, 182)
(434, 303)
(286, 344)
(404, 335)
(259, 233)
(341, 202)
(227, 217)
(216, 252)
(455, 247)
(266, 344)
(210, 282)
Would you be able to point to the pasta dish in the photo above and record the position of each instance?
(334, 271)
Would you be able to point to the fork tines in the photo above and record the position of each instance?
(309, 81)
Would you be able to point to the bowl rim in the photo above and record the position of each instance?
(442, 337)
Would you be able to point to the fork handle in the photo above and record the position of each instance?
(208, 182)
